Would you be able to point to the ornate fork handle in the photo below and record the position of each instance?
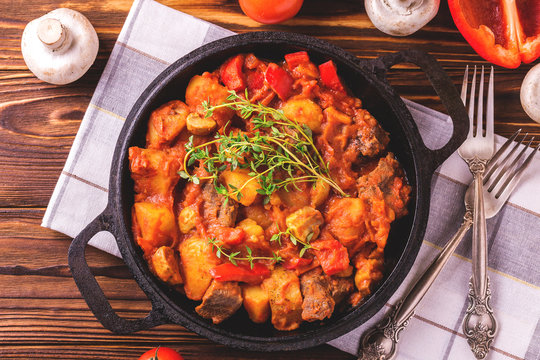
(479, 325)
(380, 343)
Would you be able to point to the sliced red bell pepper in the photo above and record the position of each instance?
(242, 273)
(332, 255)
(504, 32)
(296, 262)
(279, 80)
(231, 73)
(297, 58)
(329, 76)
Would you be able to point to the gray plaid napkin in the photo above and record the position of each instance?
(154, 36)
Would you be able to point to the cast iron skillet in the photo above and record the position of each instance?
(367, 80)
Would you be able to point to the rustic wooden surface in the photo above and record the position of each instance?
(42, 314)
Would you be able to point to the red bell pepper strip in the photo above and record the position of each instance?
(296, 262)
(279, 80)
(329, 76)
(231, 73)
(242, 273)
(297, 58)
(332, 255)
(504, 32)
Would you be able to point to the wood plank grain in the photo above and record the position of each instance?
(42, 315)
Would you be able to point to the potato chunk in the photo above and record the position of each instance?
(346, 218)
(197, 258)
(240, 179)
(304, 111)
(154, 226)
(252, 229)
(319, 193)
(254, 236)
(165, 265)
(206, 87)
(154, 173)
(283, 288)
(166, 122)
(256, 303)
(304, 222)
(334, 115)
(258, 214)
(187, 219)
(198, 125)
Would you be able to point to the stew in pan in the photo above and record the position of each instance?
(270, 187)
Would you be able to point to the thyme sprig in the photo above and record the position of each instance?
(234, 256)
(294, 240)
(279, 146)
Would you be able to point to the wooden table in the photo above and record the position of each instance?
(42, 314)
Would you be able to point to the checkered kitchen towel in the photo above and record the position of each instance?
(155, 36)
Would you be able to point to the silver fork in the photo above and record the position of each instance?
(503, 173)
(479, 324)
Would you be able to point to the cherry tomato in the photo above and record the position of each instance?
(270, 11)
(161, 353)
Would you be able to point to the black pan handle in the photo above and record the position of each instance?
(92, 292)
(444, 87)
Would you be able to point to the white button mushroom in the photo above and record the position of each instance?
(60, 46)
(401, 17)
(530, 93)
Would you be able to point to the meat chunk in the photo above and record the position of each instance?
(371, 138)
(386, 178)
(220, 301)
(216, 209)
(318, 301)
(341, 287)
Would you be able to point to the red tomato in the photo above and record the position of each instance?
(161, 353)
(270, 11)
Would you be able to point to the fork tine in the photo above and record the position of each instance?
(510, 165)
(480, 108)
(492, 164)
(489, 108)
(471, 103)
(513, 179)
(504, 164)
(464, 85)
